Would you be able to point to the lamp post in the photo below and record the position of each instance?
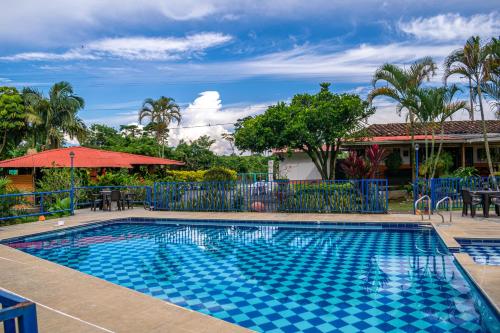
(416, 188)
(417, 147)
(72, 191)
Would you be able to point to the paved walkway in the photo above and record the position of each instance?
(71, 301)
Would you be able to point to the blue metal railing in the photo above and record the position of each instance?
(142, 194)
(438, 188)
(346, 196)
(22, 205)
(17, 308)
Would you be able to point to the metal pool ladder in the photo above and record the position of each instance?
(430, 203)
(450, 205)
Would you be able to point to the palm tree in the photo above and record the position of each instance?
(477, 61)
(161, 112)
(56, 115)
(434, 107)
(401, 84)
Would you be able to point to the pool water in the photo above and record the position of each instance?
(483, 253)
(272, 278)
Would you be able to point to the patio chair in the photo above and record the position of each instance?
(471, 200)
(496, 201)
(96, 201)
(129, 199)
(115, 196)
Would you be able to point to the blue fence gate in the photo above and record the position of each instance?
(336, 196)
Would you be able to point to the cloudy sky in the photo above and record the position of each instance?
(224, 59)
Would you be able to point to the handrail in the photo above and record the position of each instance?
(450, 204)
(430, 203)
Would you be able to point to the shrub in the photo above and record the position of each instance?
(184, 176)
(464, 172)
(393, 162)
(117, 178)
(219, 174)
(56, 179)
(443, 165)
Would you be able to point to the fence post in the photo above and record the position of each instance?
(72, 191)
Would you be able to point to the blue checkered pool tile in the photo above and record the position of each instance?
(282, 279)
(483, 253)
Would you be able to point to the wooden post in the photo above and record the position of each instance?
(463, 154)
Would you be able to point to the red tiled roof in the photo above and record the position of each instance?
(450, 127)
(84, 158)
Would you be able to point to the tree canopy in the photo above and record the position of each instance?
(316, 124)
(12, 115)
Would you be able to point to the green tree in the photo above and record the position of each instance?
(315, 124)
(433, 107)
(56, 115)
(476, 61)
(160, 112)
(12, 115)
(196, 154)
(401, 83)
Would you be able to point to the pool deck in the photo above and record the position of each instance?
(71, 301)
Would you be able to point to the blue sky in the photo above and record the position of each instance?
(223, 59)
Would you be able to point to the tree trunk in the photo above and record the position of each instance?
(485, 133)
(4, 141)
(471, 92)
(316, 162)
(412, 140)
(438, 152)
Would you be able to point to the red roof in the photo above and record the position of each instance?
(84, 158)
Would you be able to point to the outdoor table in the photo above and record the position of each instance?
(486, 194)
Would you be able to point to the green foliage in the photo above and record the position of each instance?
(183, 176)
(61, 204)
(12, 116)
(316, 124)
(196, 154)
(127, 141)
(117, 178)
(393, 162)
(219, 174)
(54, 116)
(443, 163)
(464, 172)
(56, 179)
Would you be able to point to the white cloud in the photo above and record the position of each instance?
(450, 26)
(132, 48)
(207, 109)
(356, 64)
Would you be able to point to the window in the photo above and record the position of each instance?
(406, 153)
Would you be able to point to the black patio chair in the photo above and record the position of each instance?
(470, 200)
(115, 196)
(129, 199)
(496, 201)
(96, 201)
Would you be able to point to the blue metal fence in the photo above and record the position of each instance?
(15, 307)
(345, 196)
(22, 205)
(439, 188)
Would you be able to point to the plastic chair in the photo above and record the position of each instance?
(471, 200)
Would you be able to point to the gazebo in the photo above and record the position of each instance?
(83, 158)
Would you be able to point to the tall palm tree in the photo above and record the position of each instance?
(160, 112)
(401, 83)
(477, 62)
(55, 116)
(434, 107)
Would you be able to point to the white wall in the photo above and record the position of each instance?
(298, 167)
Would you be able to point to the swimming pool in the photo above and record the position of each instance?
(281, 277)
(484, 252)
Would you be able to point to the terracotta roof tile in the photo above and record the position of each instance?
(450, 127)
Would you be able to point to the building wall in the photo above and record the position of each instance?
(298, 167)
